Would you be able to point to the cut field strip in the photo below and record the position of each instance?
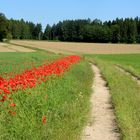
(101, 123)
(127, 72)
(6, 47)
(80, 48)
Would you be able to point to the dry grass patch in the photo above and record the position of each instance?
(4, 47)
(81, 48)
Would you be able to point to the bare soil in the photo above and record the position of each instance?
(101, 125)
(81, 48)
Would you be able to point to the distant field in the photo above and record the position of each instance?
(4, 47)
(81, 48)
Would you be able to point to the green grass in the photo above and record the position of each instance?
(129, 61)
(16, 62)
(63, 100)
(124, 91)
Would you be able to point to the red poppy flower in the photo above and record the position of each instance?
(44, 119)
(36, 75)
(12, 113)
(12, 104)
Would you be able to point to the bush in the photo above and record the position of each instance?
(8, 37)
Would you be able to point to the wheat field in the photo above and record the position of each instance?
(81, 48)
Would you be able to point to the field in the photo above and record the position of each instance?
(81, 48)
(13, 48)
(55, 104)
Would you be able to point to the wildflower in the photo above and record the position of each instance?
(6, 91)
(4, 97)
(12, 105)
(44, 119)
(12, 113)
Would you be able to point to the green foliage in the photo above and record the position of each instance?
(20, 29)
(138, 38)
(47, 33)
(37, 33)
(96, 33)
(117, 31)
(3, 25)
(9, 36)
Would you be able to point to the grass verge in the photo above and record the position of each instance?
(125, 97)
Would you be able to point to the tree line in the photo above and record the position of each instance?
(117, 31)
(19, 29)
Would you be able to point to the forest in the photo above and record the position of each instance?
(81, 30)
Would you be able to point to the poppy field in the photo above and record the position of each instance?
(30, 78)
(42, 97)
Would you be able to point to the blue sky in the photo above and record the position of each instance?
(52, 11)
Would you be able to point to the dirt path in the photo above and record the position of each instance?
(101, 125)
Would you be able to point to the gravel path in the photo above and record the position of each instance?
(101, 125)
